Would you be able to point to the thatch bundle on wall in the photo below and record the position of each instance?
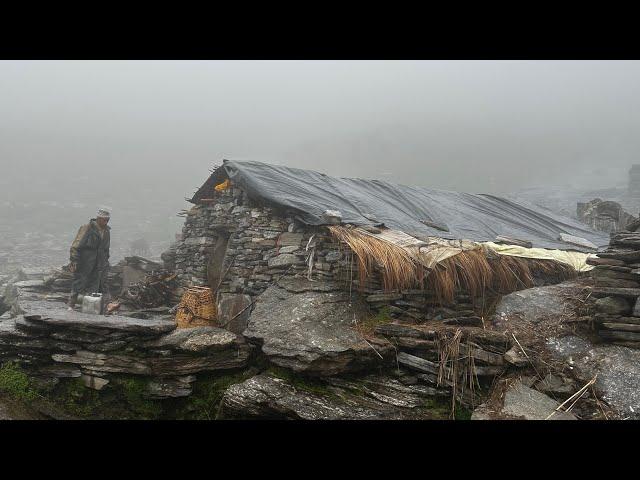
(476, 270)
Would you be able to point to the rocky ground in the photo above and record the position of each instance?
(312, 352)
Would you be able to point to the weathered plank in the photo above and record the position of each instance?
(417, 363)
(400, 330)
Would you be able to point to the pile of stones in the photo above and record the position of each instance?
(604, 216)
(617, 289)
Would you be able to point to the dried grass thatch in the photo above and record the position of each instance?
(398, 267)
(474, 271)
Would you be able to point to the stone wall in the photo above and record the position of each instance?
(617, 289)
(51, 343)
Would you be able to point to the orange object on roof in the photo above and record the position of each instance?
(223, 186)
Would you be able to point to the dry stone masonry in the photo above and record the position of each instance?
(240, 248)
(53, 343)
(617, 289)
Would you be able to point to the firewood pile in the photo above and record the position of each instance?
(135, 283)
(154, 290)
(617, 289)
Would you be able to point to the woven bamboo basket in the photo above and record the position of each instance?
(197, 308)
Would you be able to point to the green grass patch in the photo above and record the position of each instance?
(441, 409)
(15, 382)
(122, 399)
(134, 389)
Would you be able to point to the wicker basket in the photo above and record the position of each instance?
(197, 308)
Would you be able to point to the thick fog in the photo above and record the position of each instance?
(141, 135)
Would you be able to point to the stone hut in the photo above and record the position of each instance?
(416, 252)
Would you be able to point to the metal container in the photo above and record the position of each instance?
(92, 303)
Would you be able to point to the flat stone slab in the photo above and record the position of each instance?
(53, 315)
(198, 339)
(368, 398)
(313, 332)
(172, 365)
(522, 403)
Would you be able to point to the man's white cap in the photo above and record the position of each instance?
(104, 212)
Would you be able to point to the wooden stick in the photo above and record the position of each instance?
(377, 353)
(581, 391)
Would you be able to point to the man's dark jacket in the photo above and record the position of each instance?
(90, 252)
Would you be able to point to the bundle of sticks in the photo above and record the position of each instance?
(153, 291)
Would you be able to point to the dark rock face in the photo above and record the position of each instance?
(370, 398)
(312, 332)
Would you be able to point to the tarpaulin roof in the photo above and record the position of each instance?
(418, 211)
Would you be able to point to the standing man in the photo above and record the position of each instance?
(89, 256)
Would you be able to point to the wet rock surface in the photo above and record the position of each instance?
(312, 332)
(533, 305)
(617, 369)
(56, 315)
(369, 398)
(523, 403)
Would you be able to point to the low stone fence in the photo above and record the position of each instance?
(51, 343)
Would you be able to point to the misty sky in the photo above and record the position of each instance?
(477, 126)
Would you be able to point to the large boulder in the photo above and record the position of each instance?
(369, 398)
(534, 305)
(617, 369)
(313, 332)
